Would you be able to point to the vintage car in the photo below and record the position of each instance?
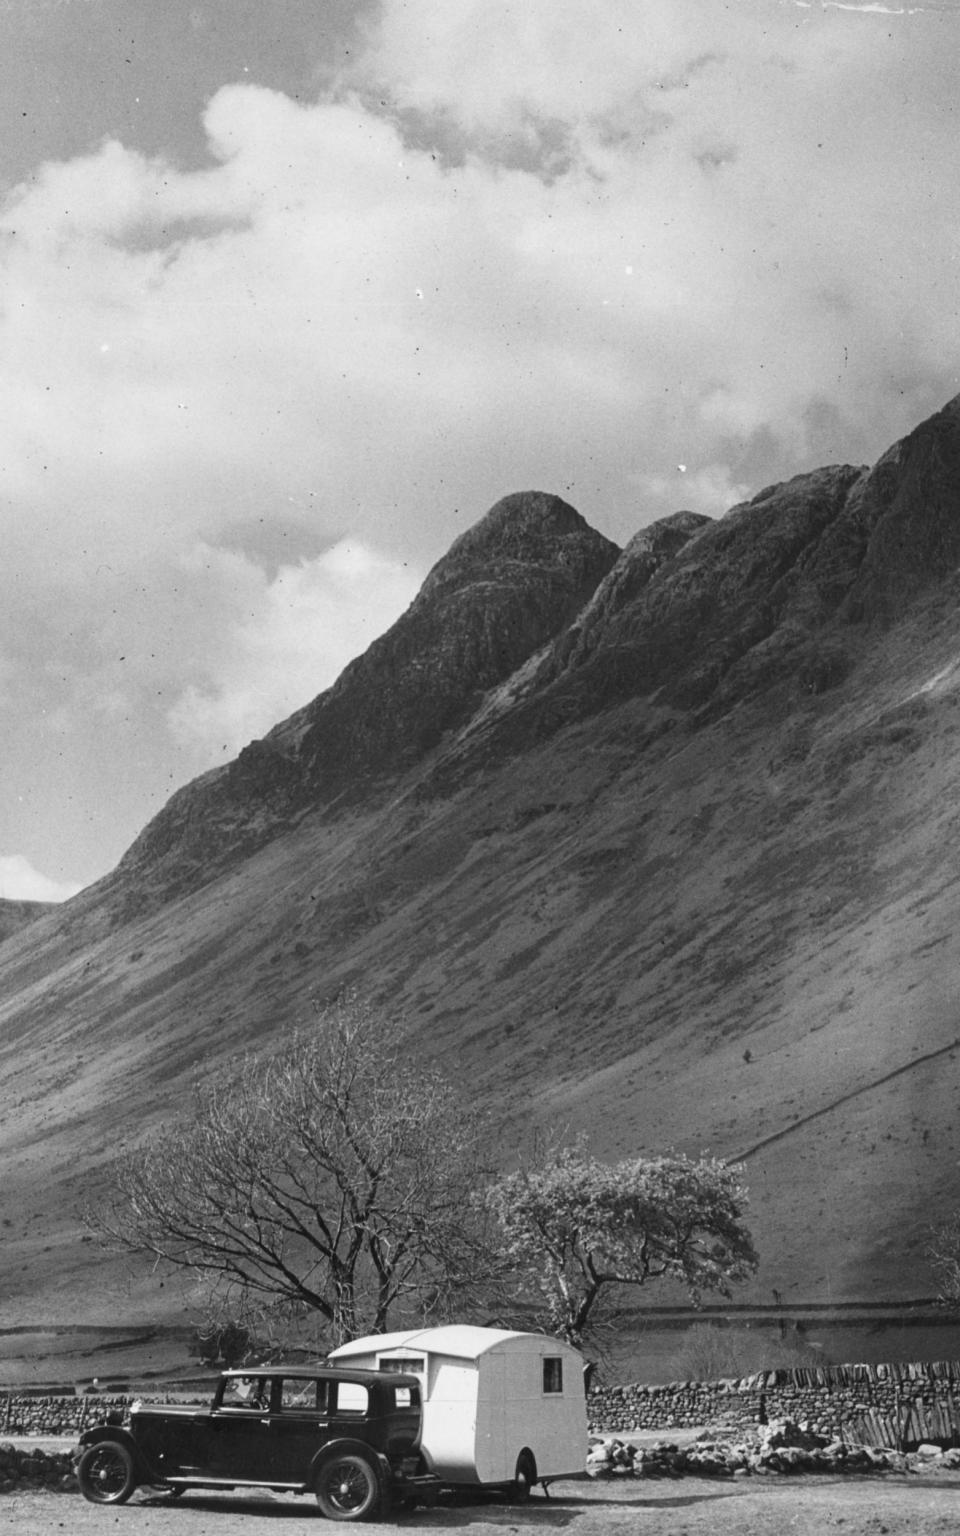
(349, 1436)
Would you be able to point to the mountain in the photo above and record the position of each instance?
(656, 843)
(504, 589)
(16, 914)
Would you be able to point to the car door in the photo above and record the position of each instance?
(174, 1442)
(299, 1427)
(239, 1435)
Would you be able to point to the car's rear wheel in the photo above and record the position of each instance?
(348, 1488)
(105, 1473)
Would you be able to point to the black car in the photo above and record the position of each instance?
(350, 1437)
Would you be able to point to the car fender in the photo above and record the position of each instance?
(122, 1435)
(347, 1446)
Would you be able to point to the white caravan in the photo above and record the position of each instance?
(500, 1408)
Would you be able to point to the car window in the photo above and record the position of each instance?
(349, 1397)
(308, 1396)
(251, 1392)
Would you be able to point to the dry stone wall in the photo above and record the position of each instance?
(916, 1402)
(921, 1400)
(55, 1415)
(33, 1467)
(64, 1418)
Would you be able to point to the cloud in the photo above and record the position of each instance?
(296, 635)
(867, 8)
(714, 149)
(514, 246)
(19, 881)
(709, 490)
(333, 315)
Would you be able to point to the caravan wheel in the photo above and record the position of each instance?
(524, 1477)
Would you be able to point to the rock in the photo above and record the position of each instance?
(718, 596)
(599, 1457)
(928, 1452)
(904, 522)
(785, 1433)
(633, 571)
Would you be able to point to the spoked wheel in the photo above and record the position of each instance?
(524, 1478)
(348, 1488)
(105, 1473)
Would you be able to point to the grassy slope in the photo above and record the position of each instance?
(591, 936)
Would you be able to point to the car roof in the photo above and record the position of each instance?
(328, 1372)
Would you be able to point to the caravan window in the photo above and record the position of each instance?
(412, 1363)
(552, 1373)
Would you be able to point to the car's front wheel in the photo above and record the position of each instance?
(348, 1487)
(105, 1473)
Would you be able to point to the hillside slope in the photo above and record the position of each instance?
(16, 914)
(656, 843)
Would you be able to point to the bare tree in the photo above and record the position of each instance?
(335, 1175)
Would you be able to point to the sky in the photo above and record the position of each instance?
(292, 291)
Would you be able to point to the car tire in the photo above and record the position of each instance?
(105, 1473)
(348, 1487)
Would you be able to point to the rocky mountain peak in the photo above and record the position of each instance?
(635, 568)
(527, 528)
(506, 587)
(694, 614)
(908, 518)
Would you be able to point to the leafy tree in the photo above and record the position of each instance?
(335, 1176)
(577, 1229)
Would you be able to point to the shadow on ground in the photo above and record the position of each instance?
(455, 1509)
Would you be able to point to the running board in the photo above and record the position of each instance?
(230, 1482)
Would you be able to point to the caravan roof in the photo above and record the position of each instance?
(461, 1340)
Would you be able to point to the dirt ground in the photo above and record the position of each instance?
(927, 1505)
